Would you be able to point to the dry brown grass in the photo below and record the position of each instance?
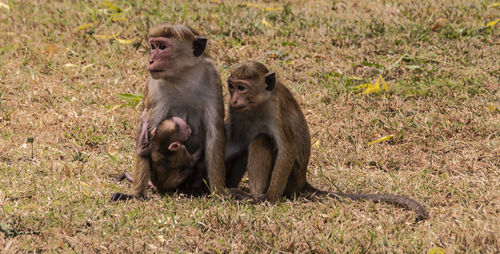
(59, 86)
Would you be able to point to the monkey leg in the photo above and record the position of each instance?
(236, 168)
(281, 171)
(142, 175)
(259, 165)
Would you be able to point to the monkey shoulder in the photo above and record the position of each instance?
(212, 79)
(294, 124)
(287, 97)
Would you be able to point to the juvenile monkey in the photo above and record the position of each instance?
(183, 82)
(171, 162)
(268, 135)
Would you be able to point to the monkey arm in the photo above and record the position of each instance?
(143, 148)
(215, 148)
(142, 175)
(260, 165)
(143, 164)
(285, 158)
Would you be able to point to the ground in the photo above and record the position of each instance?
(71, 73)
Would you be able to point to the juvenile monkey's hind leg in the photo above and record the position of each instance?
(236, 169)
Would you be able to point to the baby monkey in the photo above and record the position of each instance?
(171, 161)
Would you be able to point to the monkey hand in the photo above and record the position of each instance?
(176, 146)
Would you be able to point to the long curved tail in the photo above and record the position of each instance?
(397, 200)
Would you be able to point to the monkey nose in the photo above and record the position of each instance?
(151, 62)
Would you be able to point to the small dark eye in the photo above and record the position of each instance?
(230, 85)
(153, 46)
(241, 88)
(162, 46)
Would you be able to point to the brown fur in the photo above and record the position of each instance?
(173, 89)
(268, 135)
(170, 167)
(181, 32)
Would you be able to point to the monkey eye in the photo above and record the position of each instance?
(241, 88)
(152, 46)
(230, 85)
(162, 46)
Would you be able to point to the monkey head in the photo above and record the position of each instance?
(173, 48)
(171, 130)
(182, 129)
(250, 84)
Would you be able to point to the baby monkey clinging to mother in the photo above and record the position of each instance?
(171, 161)
(268, 136)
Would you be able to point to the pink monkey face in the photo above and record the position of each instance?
(160, 56)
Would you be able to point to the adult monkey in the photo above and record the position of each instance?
(183, 82)
(268, 135)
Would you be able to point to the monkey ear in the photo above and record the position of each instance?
(199, 45)
(270, 79)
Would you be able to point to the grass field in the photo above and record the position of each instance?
(65, 131)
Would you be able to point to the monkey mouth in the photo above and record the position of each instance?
(240, 109)
(156, 74)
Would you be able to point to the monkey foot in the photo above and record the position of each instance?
(122, 196)
(125, 175)
(238, 194)
(258, 199)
